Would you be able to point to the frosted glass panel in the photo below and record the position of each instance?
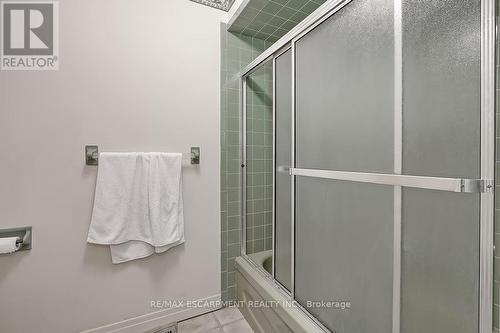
(259, 160)
(283, 162)
(344, 238)
(440, 262)
(345, 90)
(441, 70)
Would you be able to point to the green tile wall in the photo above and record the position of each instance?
(237, 51)
(271, 19)
(259, 162)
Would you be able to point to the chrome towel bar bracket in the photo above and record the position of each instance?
(195, 155)
(92, 155)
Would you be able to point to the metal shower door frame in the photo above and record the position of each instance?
(483, 186)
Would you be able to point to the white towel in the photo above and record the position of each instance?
(138, 208)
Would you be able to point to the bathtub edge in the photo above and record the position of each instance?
(293, 317)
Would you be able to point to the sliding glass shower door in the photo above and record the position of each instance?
(344, 121)
(283, 162)
(387, 132)
(441, 137)
(383, 156)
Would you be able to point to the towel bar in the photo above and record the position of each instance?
(92, 155)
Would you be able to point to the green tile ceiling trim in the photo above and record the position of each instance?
(224, 5)
(271, 19)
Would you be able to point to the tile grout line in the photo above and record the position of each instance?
(275, 34)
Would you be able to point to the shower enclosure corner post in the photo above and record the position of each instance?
(243, 199)
(292, 176)
(487, 164)
(398, 164)
(273, 205)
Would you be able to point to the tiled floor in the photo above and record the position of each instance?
(227, 320)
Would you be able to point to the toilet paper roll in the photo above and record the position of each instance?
(8, 245)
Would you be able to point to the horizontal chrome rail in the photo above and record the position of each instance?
(430, 183)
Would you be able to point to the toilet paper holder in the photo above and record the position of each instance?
(24, 234)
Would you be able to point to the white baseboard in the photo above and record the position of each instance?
(157, 319)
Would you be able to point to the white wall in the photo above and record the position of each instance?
(134, 76)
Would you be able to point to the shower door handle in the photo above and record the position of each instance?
(432, 183)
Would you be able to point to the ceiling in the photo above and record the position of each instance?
(271, 19)
(219, 4)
